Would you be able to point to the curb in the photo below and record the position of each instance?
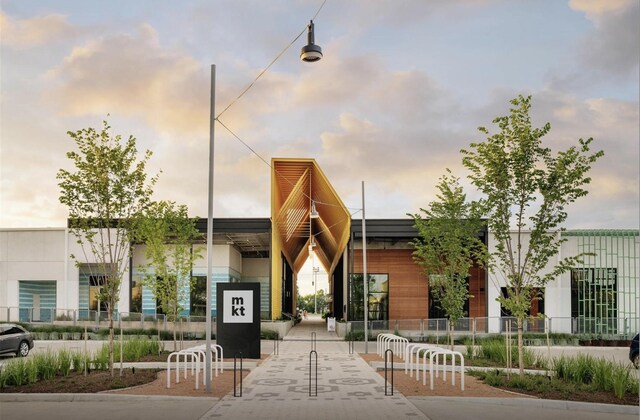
(95, 397)
(538, 403)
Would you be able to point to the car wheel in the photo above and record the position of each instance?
(23, 349)
(636, 360)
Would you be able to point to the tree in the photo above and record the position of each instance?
(527, 187)
(447, 246)
(104, 195)
(168, 233)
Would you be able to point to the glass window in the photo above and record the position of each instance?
(136, 295)
(378, 297)
(198, 296)
(594, 299)
(95, 286)
(536, 307)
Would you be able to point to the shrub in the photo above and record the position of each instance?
(494, 379)
(3, 377)
(16, 372)
(78, 361)
(32, 371)
(64, 361)
(48, 365)
(101, 359)
(269, 335)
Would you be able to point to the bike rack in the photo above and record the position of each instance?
(276, 346)
(386, 353)
(444, 353)
(235, 389)
(351, 345)
(311, 373)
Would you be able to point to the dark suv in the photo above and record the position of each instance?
(633, 351)
(15, 339)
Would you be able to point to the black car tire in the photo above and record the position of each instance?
(23, 349)
(636, 360)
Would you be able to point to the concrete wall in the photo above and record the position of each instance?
(35, 254)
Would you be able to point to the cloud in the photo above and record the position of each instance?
(611, 52)
(35, 31)
(133, 75)
(613, 196)
(594, 9)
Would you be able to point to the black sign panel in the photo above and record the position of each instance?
(238, 320)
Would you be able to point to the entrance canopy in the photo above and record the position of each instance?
(305, 212)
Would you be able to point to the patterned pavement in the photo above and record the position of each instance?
(347, 387)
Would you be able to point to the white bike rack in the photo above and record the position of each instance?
(434, 353)
(409, 351)
(385, 341)
(193, 357)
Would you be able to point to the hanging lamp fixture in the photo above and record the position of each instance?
(310, 52)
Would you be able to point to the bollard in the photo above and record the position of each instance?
(313, 341)
(235, 393)
(313, 353)
(386, 353)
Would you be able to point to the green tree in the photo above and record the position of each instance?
(169, 233)
(447, 246)
(527, 190)
(105, 194)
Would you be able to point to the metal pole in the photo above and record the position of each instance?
(315, 286)
(364, 277)
(210, 230)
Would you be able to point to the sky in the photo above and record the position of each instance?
(402, 87)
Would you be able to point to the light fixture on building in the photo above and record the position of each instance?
(312, 244)
(310, 52)
(314, 213)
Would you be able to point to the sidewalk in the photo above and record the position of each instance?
(347, 388)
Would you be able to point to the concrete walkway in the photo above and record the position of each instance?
(347, 388)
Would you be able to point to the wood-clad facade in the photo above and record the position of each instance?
(389, 253)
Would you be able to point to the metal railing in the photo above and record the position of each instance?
(423, 329)
(622, 327)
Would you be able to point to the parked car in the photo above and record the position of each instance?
(633, 352)
(15, 339)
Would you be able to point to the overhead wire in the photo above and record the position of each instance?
(244, 143)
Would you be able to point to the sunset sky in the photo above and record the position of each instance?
(402, 87)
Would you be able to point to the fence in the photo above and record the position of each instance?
(614, 328)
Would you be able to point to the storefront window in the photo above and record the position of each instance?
(378, 297)
(198, 296)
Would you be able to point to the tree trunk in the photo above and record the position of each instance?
(451, 334)
(110, 317)
(520, 348)
(175, 340)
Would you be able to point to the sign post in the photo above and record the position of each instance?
(238, 320)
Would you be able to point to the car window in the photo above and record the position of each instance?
(12, 330)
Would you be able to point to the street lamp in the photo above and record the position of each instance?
(364, 277)
(309, 53)
(315, 289)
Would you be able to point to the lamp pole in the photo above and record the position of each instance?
(212, 122)
(309, 53)
(364, 277)
(315, 288)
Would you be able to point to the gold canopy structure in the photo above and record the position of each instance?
(297, 187)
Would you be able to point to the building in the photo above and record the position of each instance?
(39, 281)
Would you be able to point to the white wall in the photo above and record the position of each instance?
(71, 284)
(223, 256)
(555, 299)
(30, 254)
(256, 267)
